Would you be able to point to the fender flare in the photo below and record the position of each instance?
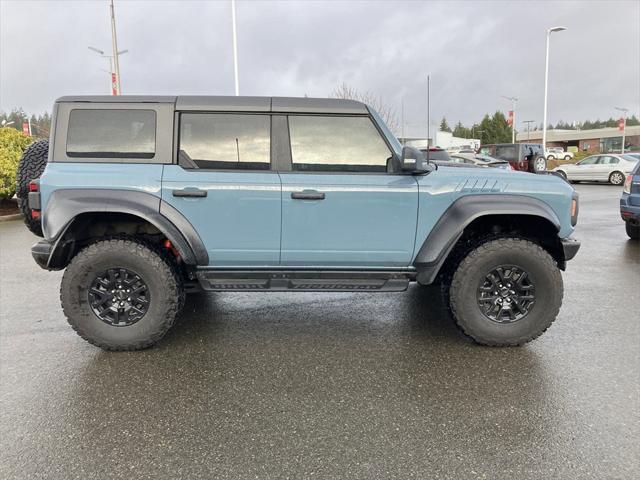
(449, 228)
(65, 205)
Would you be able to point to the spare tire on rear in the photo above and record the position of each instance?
(538, 165)
(31, 166)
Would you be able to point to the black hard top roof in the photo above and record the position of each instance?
(233, 104)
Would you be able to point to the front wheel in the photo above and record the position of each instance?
(616, 178)
(632, 230)
(121, 294)
(506, 292)
(539, 165)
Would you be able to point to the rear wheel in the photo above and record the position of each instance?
(506, 292)
(616, 178)
(31, 166)
(121, 294)
(567, 157)
(632, 230)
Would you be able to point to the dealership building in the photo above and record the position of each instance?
(599, 140)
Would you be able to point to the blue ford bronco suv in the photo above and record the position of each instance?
(141, 199)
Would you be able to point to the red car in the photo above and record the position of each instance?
(526, 157)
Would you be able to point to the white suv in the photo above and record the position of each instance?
(557, 153)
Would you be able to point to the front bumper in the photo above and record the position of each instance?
(41, 253)
(570, 247)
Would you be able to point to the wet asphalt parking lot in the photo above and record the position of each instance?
(269, 385)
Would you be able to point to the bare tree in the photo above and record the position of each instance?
(387, 113)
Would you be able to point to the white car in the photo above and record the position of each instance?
(609, 167)
(556, 153)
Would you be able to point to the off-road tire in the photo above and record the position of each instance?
(616, 178)
(31, 166)
(543, 272)
(538, 166)
(154, 267)
(632, 230)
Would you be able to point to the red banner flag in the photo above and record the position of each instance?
(510, 119)
(114, 84)
(621, 124)
(25, 128)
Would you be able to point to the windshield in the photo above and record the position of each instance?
(391, 138)
(434, 154)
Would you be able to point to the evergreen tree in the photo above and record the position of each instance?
(444, 126)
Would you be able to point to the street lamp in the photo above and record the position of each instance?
(513, 118)
(546, 85)
(235, 47)
(528, 122)
(624, 124)
(6, 124)
(114, 85)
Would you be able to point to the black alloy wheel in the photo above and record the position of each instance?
(119, 297)
(506, 294)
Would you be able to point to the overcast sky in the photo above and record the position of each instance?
(475, 52)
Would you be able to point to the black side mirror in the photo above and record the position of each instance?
(411, 160)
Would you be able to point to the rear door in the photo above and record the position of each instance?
(225, 186)
(340, 207)
(603, 168)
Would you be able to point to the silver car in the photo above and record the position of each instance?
(609, 167)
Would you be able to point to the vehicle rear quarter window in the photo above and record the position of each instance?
(109, 133)
(336, 144)
(226, 141)
(506, 152)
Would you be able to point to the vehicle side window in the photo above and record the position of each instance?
(506, 152)
(336, 144)
(608, 160)
(589, 161)
(226, 141)
(110, 133)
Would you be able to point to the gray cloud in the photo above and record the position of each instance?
(474, 51)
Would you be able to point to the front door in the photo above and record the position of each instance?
(225, 187)
(340, 207)
(585, 169)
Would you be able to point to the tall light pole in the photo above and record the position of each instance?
(624, 124)
(528, 122)
(546, 87)
(112, 85)
(513, 117)
(116, 62)
(235, 46)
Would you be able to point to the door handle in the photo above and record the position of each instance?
(308, 195)
(190, 192)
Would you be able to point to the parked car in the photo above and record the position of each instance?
(526, 157)
(436, 154)
(630, 203)
(633, 154)
(557, 153)
(607, 167)
(146, 198)
(480, 160)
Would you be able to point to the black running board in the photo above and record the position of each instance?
(307, 281)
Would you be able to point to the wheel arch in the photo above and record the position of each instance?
(75, 216)
(475, 216)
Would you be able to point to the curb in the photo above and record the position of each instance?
(8, 218)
